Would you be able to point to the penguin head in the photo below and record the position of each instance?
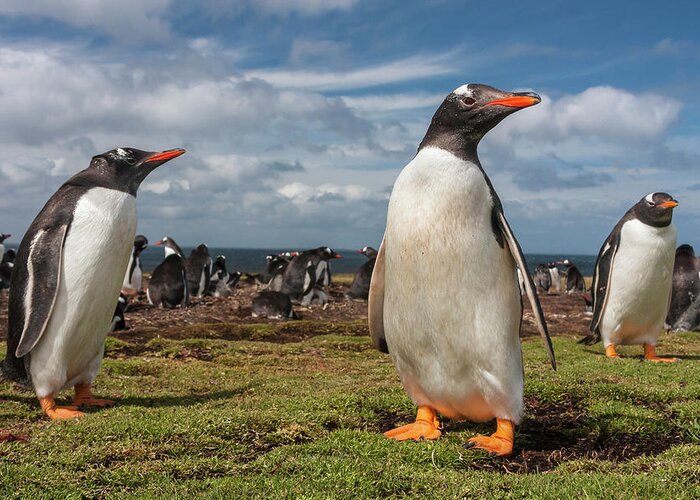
(368, 252)
(4, 236)
(473, 109)
(327, 253)
(170, 246)
(126, 168)
(140, 243)
(685, 249)
(655, 209)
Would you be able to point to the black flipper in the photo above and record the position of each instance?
(376, 303)
(517, 253)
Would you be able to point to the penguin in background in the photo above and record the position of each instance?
(3, 237)
(199, 267)
(275, 265)
(218, 282)
(685, 290)
(133, 280)
(633, 276)
(453, 331)
(554, 277)
(8, 262)
(67, 275)
(359, 289)
(119, 320)
(574, 279)
(543, 278)
(273, 305)
(306, 274)
(168, 286)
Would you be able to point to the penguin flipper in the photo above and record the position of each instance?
(45, 255)
(601, 280)
(517, 254)
(375, 303)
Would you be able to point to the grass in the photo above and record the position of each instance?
(205, 416)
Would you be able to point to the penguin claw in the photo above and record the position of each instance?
(64, 412)
(416, 431)
(495, 446)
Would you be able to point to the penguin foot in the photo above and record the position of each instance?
(83, 397)
(611, 352)
(650, 355)
(426, 426)
(58, 412)
(498, 444)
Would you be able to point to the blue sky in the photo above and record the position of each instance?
(298, 114)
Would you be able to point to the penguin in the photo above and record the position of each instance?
(306, 273)
(168, 286)
(67, 275)
(199, 266)
(133, 280)
(359, 289)
(453, 331)
(218, 282)
(273, 305)
(543, 278)
(554, 277)
(118, 320)
(3, 237)
(8, 262)
(275, 265)
(574, 279)
(632, 278)
(685, 290)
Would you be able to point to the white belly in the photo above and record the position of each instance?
(452, 306)
(640, 285)
(136, 277)
(95, 254)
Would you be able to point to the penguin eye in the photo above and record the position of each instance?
(651, 203)
(469, 101)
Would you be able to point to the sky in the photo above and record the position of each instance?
(298, 115)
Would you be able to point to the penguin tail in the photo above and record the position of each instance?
(591, 339)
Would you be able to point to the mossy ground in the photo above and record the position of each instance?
(203, 415)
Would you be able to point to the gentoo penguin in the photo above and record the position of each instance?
(218, 282)
(199, 266)
(543, 278)
(68, 272)
(632, 278)
(685, 289)
(574, 278)
(118, 320)
(274, 305)
(133, 280)
(275, 266)
(453, 331)
(6, 265)
(306, 273)
(359, 289)
(554, 277)
(3, 237)
(168, 286)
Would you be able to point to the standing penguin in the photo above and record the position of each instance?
(168, 286)
(3, 237)
(306, 273)
(199, 266)
(133, 281)
(632, 278)
(69, 268)
(685, 291)
(6, 266)
(453, 331)
(543, 278)
(359, 289)
(554, 277)
(574, 279)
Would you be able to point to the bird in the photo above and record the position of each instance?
(685, 293)
(6, 265)
(543, 278)
(133, 280)
(306, 274)
(632, 278)
(274, 305)
(453, 331)
(555, 277)
(359, 288)
(3, 237)
(199, 265)
(574, 279)
(168, 286)
(68, 272)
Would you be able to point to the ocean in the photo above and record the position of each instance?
(253, 259)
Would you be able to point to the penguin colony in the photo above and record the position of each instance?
(452, 332)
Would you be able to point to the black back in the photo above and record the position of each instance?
(686, 286)
(574, 279)
(168, 286)
(198, 264)
(269, 304)
(359, 289)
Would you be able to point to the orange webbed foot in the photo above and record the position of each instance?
(611, 352)
(498, 444)
(650, 355)
(426, 426)
(58, 412)
(83, 397)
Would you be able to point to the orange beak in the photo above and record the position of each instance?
(166, 155)
(516, 101)
(669, 204)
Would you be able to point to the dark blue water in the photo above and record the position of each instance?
(253, 259)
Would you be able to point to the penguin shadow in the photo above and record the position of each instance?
(640, 357)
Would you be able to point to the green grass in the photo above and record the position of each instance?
(204, 416)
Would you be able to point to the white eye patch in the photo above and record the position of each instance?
(464, 90)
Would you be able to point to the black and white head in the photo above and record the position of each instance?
(685, 250)
(140, 244)
(4, 236)
(368, 252)
(469, 112)
(327, 253)
(170, 246)
(655, 209)
(123, 169)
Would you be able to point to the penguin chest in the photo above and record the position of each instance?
(95, 255)
(451, 305)
(640, 283)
